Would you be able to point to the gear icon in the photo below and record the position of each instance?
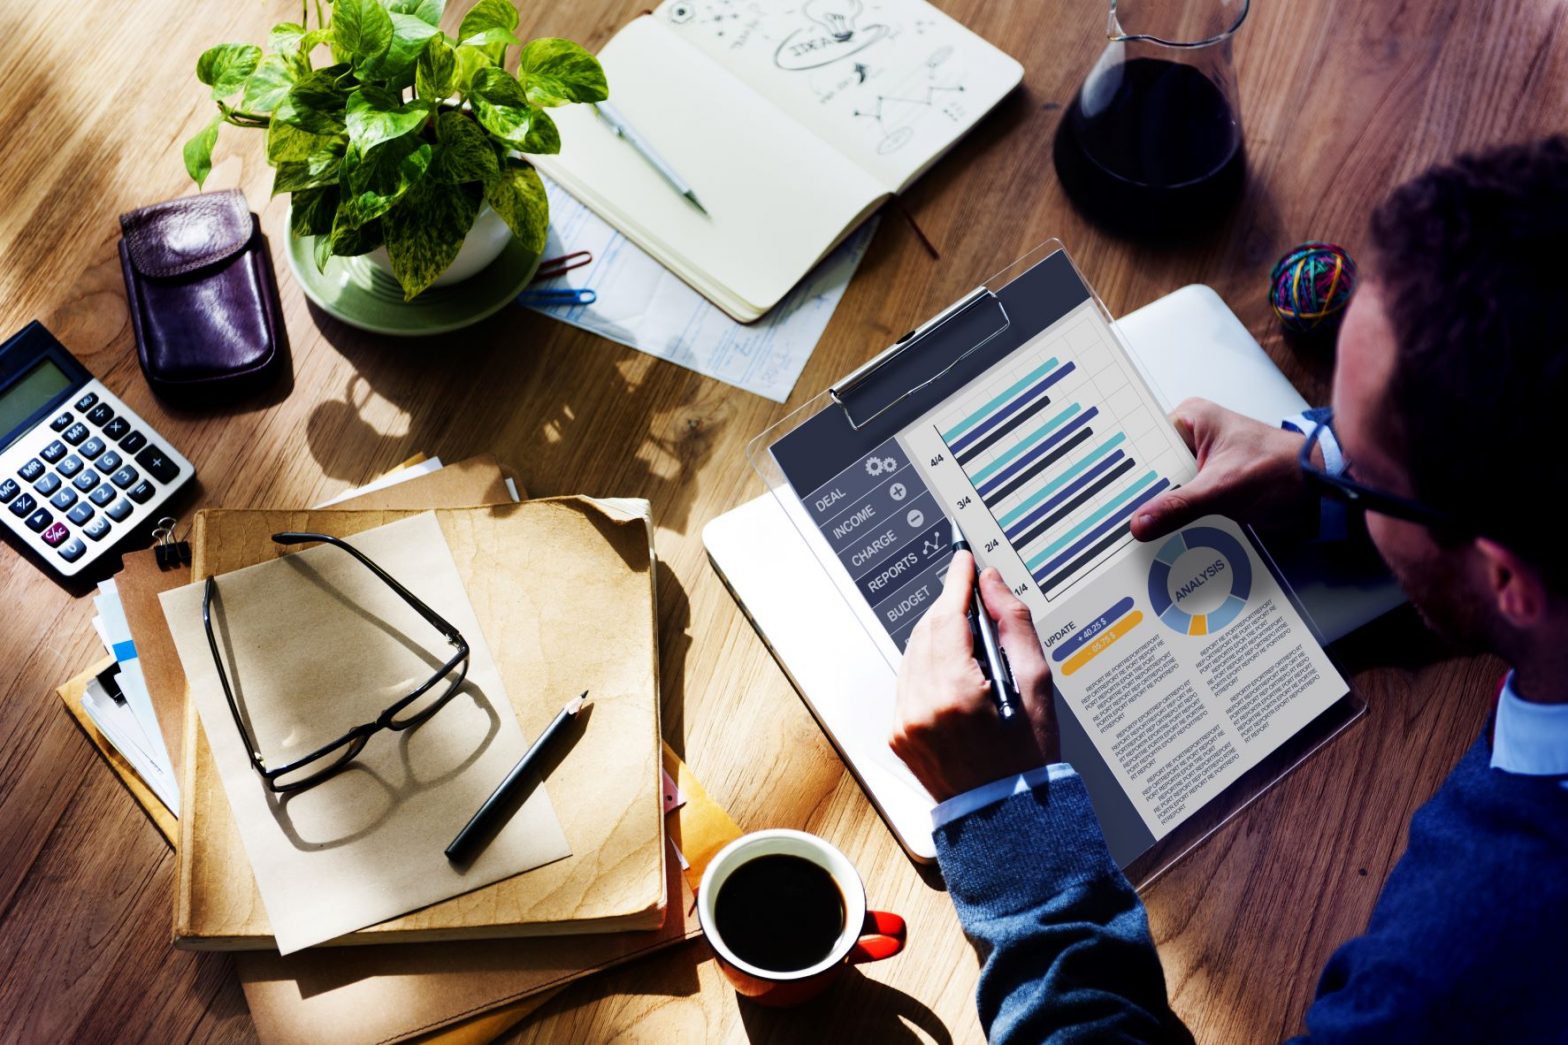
(873, 466)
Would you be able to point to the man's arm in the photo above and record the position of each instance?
(1063, 937)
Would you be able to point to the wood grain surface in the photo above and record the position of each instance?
(1339, 100)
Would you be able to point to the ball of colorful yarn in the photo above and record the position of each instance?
(1311, 285)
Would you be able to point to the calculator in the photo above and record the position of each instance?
(78, 468)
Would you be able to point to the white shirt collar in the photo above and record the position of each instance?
(1529, 738)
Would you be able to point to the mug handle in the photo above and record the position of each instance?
(882, 935)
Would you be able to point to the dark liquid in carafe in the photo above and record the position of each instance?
(780, 913)
(1162, 155)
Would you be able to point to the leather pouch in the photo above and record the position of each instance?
(203, 297)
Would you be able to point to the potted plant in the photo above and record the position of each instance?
(407, 135)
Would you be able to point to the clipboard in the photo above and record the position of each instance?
(824, 462)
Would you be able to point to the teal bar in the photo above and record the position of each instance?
(1029, 440)
(1056, 484)
(980, 415)
(1088, 524)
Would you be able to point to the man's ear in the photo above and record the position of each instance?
(1517, 589)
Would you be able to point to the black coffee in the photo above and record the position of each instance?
(1162, 155)
(780, 913)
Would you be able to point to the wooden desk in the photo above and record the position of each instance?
(1339, 102)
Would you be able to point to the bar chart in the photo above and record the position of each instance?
(1062, 447)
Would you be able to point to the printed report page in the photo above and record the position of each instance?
(1182, 659)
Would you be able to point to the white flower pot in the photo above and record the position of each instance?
(483, 244)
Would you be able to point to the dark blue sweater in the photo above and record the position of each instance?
(1468, 941)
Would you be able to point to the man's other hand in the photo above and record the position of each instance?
(1247, 470)
(948, 730)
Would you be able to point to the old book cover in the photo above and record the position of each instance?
(563, 589)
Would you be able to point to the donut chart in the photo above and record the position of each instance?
(1226, 561)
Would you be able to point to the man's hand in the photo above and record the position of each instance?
(1247, 470)
(948, 731)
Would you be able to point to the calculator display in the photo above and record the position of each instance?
(30, 392)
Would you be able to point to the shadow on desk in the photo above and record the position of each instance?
(856, 1008)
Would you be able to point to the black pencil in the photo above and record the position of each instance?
(484, 822)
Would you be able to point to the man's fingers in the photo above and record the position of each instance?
(1015, 629)
(1204, 495)
(956, 586)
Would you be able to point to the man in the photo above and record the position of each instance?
(1448, 395)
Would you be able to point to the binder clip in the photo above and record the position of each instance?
(170, 553)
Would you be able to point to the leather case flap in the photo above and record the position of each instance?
(183, 235)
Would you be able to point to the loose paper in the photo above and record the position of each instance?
(314, 644)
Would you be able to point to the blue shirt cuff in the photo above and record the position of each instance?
(997, 790)
(1333, 517)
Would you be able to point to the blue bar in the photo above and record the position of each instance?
(1028, 441)
(1055, 484)
(979, 415)
(1040, 451)
(1105, 509)
(1012, 408)
(125, 650)
(1104, 528)
(1072, 488)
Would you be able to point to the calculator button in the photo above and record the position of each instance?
(102, 495)
(142, 492)
(120, 510)
(72, 549)
(9, 489)
(158, 464)
(100, 414)
(86, 481)
(56, 535)
(97, 529)
(53, 452)
(62, 422)
(132, 442)
(81, 513)
(23, 506)
(47, 485)
(92, 448)
(75, 434)
(31, 470)
(108, 462)
(39, 520)
(64, 498)
(70, 466)
(116, 428)
(125, 477)
(87, 401)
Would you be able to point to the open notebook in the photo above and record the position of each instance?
(790, 121)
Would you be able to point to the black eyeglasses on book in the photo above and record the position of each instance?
(406, 713)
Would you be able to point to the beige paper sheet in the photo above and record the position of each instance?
(306, 665)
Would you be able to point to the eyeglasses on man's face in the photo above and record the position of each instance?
(406, 713)
(1365, 498)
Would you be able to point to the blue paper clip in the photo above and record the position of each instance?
(558, 296)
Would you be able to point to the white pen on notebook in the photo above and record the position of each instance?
(627, 133)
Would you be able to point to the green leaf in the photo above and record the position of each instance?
(409, 36)
(434, 72)
(556, 72)
(288, 144)
(425, 231)
(225, 68)
(376, 115)
(311, 210)
(518, 196)
(465, 153)
(486, 15)
(427, 11)
(323, 251)
(314, 104)
(268, 84)
(347, 241)
(504, 111)
(470, 60)
(379, 178)
(361, 31)
(285, 38)
(315, 171)
(198, 151)
(493, 42)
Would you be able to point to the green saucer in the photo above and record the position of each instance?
(363, 296)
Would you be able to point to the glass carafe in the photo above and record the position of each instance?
(1151, 144)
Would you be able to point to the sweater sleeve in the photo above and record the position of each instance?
(1062, 936)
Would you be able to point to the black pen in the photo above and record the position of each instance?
(989, 653)
(483, 823)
